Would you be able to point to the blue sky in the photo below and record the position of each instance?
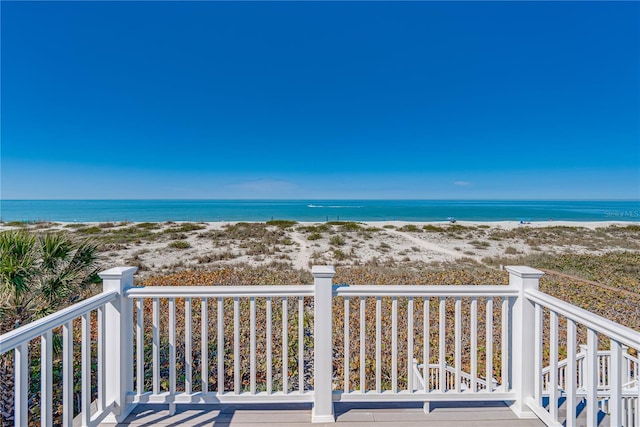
(421, 100)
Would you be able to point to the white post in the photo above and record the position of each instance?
(523, 339)
(118, 338)
(322, 340)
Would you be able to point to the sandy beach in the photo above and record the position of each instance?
(162, 248)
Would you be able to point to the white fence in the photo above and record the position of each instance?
(592, 381)
(325, 343)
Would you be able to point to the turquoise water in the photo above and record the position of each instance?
(316, 210)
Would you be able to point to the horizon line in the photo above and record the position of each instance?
(329, 199)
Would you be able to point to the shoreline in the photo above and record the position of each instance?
(309, 210)
(468, 223)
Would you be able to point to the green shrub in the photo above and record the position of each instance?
(412, 228)
(90, 230)
(314, 236)
(75, 225)
(16, 223)
(282, 223)
(148, 225)
(339, 255)
(480, 244)
(347, 225)
(336, 241)
(180, 244)
(188, 226)
(319, 228)
(372, 229)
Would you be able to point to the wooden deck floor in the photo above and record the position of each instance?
(443, 414)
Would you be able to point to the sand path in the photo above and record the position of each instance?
(303, 254)
(429, 246)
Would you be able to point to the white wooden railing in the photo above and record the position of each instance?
(583, 384)
(325, 343)
(629, 380)
(21, 340)
(426, 298)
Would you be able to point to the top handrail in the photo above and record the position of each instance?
(308, 290)
(32, 330)
(425, 290)
(219, 291)
(620, 333)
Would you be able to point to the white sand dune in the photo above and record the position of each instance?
(378, 243)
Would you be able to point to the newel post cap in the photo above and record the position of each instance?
(117, 273)
(323, 271)
(524, 271)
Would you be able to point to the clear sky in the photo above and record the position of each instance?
(423, 100)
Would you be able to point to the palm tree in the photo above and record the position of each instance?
(38, 276)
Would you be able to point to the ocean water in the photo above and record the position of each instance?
(316, 210)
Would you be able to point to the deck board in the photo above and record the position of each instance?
(442, 414)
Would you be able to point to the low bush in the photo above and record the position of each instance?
(180, 244)
(336, 241)
(282, 223)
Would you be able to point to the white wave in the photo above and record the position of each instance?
(333, 207)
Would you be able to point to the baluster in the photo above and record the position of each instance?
(441, 346)
(553, 365)
(285, 346)
(172, 346)
(394, 344)
(46, 380)
(615, 409)
(252, 344)
(570, 388)
(425, 344)
(21, 381)
(220, 349)
(101, 403)
(410, 374)
(188, 353)
(362, 346)
(301, 344)
(67, 375)
(346, 345)
(636, 400)
(505, 344)
(156, 345)
(269, 348)
(489, 344)
(204, 344)
(591, 377)
(474, 345)
(458, 344)
(236, 345)
(139, 347)
(378, 345)
(85, 393)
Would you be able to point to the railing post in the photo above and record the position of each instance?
(322, 340)
(523, 339)
(118, 320)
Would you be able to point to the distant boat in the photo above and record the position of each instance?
(452, 220)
